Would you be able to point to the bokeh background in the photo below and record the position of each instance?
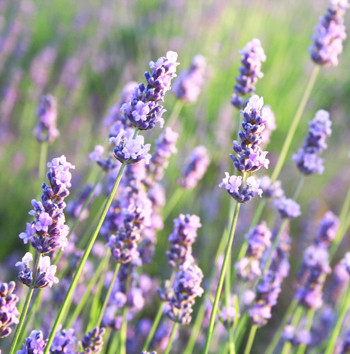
(83, 52)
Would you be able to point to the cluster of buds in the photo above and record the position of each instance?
(329, 35)
(8, 308)
(143, 109)
(93, 341)
(49, 231)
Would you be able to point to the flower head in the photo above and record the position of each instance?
(8, 308)
(288, 208)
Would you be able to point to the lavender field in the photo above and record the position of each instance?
(174, 177)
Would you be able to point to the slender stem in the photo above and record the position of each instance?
(336, 330)
(175, 113)
(114, 344)
(167, 350)
(343, 225)
(297, 316)
(201, 312)
(250, 340)
(123, 333)
(87, 294)
(171, 204)
(42, 161)
(74, 282)
(310, 317)
(227, 300)
(278, 334)
(295, 123)
(25, 308)
(154, 327)
(221, 279)
(103, 309)
(76, 221)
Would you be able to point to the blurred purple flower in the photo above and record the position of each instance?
(8, 308)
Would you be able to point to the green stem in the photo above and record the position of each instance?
(123, 332)
(310, 317)
(167, 350)
(154, 327)
(76, 221)
(336, 331)
(296, 319)
(201, 312)
(171, 204)
(25, 308)
(278, 334)
(42, 161)
(116, 270)
(221, 279)
(74, 282)
(295, 123)
(87, 294)
(175, 113)
(250, 340)
(343, 225)
(227, 301)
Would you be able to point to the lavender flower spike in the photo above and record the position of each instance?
(130, 150)
(252, 57)
(143, 109)
(47, 112)
(186, 287)
(93, 342)
(195, 167)
(188, 86)
(34, 344)
(249, 155)
(288, 208)
(234, 187)
(8, 308)
(49, 232)
(182, 238)
(307, 158)
(329, 35)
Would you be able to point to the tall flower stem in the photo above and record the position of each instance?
(175, 113)
(171, 204)
(74, 282)
(123, 332)
(297, 316)
(25, 308)
(336, 330)
(76, 221)
(103, 309)
(295, 123)
(167, 350)
(276, 338)
(201, 312)
(154, 327)
(310, 317)
(101, 267)
(250, 340)
(42, 160)
(222, 277)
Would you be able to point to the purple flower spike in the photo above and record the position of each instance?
(143, 109)
(249, 156)
(288, 208)
(329, 35)
(93, 341)
(181, 297)
(49, 232)
(233, 185)
(259, 238)
(64, 342)
(271, 190)
(34, 344)
(46, 274)
(307, 158)
(188, 86)
(130, 150)
(328, 228)
(47, 112)
(164, 148)
(182, 238)
(195, 167)
(8, 308)
(252, 57)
